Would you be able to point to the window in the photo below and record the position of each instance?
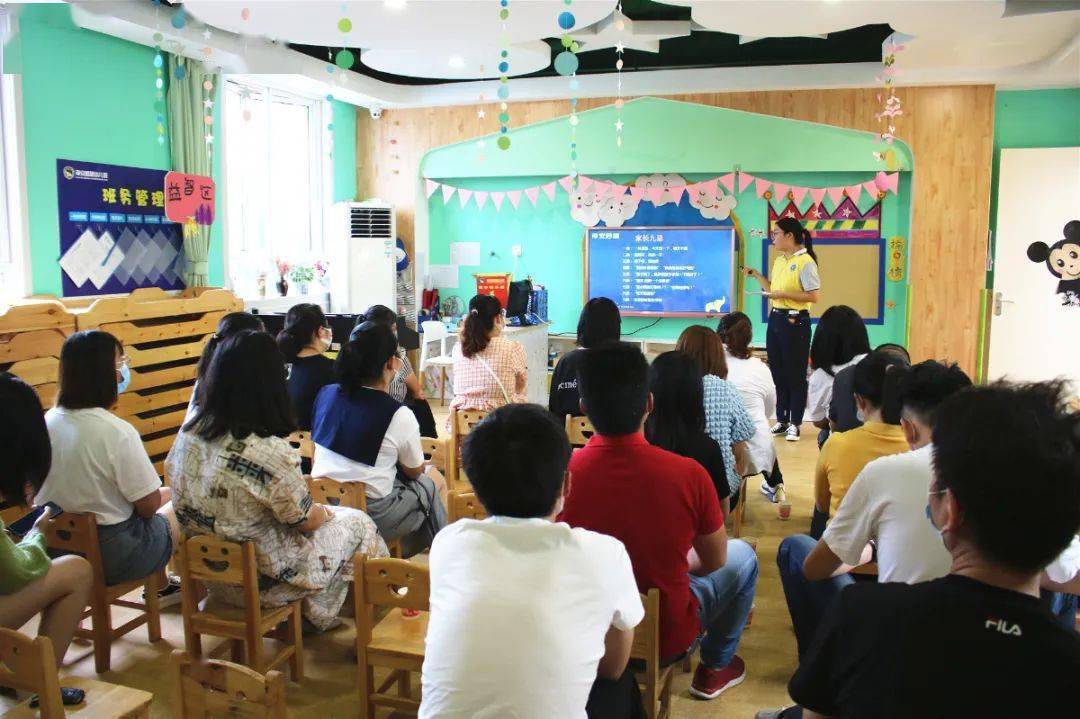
(13, 257)
(276, 170)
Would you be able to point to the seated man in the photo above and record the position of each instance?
(978, 642)
(885, 503)
(663, 507)
(527, 613)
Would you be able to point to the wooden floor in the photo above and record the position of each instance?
(329, 689)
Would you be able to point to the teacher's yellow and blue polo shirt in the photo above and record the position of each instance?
(794, 273)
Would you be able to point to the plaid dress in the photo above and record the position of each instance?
(251, 490)
(726, 421)
(474, 385)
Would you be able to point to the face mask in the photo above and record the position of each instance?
(862, 420)
(125, 379)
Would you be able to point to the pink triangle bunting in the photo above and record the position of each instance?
(619, 190)
(854, 192)
(567, 184)
(836, 194)
(745, 178)
(780, 191)
(817, 194)
(515, 197)
(712, 185)
(656, 195)
(463, 195)
(888, 182)
(481, 198)
(533, 193)
(676, 192)
(447, 193)
(430, 186)
(871, 188)
(602, 188)
(637, 192)
(728, 181)
(761, 185)
(497, 199)
(798, 193)
(549, 190)
(585, 183)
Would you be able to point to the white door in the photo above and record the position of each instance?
(1034, 332)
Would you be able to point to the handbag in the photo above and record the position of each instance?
(506, 395)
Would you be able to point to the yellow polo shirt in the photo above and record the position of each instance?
(794, 273)
(846, 453)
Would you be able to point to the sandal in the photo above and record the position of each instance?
(70, 697)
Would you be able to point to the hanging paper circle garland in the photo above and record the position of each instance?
(566, 63)
(344, 25)
(179, 72)
(245, 14)
(503, 92)
(344, 60)
(158, 37)
(503, 142)
(566, 20)
(178, 20)
(158, 61)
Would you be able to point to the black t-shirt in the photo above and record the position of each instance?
(704, 450)
(563, 398)
(952, 647)
(842, 409)
(307, 377)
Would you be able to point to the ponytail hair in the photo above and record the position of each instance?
(878, 379)
(362, 360)
(476, 331)
(736, 333)
(803, 238)
(301, 323)
(229, 325)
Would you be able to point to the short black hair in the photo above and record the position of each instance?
(877, 379)
(599, 322)
(227, 326)
(88, 370)
(926, 385)
(516, 460)
(379, 314)
(897, 349)
(840, 337)
(245, 391)
(302, 321)
(988, 437)
(613, 382)
(24, 440)
(678, 414)
(361, 361)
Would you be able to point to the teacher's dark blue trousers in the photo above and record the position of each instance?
(787, 343)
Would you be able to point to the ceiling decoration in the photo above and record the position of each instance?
(641, 35)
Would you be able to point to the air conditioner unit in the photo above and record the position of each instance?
(364, 238)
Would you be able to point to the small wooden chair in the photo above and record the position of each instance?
(213, 688)
(29, 665)
(437, 453)
(211, 559)
(396, 641)
(870, 569)
(465, 505)
(578, 430)
(461, 423)
(655, 681)
(75, 533)
(302, 442)
(345, 494)
(740, 511)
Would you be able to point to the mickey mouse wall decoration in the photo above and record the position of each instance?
(1063, 261)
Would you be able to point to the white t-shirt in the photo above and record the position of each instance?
(887, 502)
(819, 394)
(1067, 565)
(755, 384)
(519, 612)
(99, 464)
(400, 444)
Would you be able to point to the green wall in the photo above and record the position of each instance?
(88, 96)
(682, 135)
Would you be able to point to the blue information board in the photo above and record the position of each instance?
(663, 271)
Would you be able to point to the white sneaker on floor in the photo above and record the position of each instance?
(768, 491)
(779, 428)
(779, 496)
(792, 434)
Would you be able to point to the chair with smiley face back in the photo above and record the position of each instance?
(216, 561)
(212, 688)
(333, 493)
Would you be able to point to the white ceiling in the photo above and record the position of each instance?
(966, 41)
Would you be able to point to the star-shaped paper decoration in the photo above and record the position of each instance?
(846, 212)
(817, 212)
(644, 35)
(619, 126)
(620, 47)
(480, 113)
(209, 138)
(206, 33)
(208, 103)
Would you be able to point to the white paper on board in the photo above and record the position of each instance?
(443, 277)
(465, 253)
(81, 258)
(110, 260)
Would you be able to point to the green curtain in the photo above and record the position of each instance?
(187, 142)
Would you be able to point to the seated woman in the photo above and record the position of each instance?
(362, 434)
(29, 582)
(100, 467)
(755, 384)
(726, 419)
(228, 326)
(235, 476)
(840, 341)
(303, 342)
(876, 384)
(599, 322)
(489, 370)
(677, 420)
(405, 386)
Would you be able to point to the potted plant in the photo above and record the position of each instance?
(282, 270)
(302, 275)
(322, 267)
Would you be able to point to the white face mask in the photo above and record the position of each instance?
(860, 416)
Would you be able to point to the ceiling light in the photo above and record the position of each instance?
(394, 4)
(457, 61)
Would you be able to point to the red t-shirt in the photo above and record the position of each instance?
(654, 502)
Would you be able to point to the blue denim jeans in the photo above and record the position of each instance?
(725, 598)
(806, 600)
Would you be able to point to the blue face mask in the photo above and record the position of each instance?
(125, 379)
(930, 516)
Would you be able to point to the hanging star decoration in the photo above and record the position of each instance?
(209, 138)
(206, 33)
(620, 26)
(480, 114)
(618, 125)
(208, 103)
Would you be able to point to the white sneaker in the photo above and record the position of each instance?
(779, 428)
(768, 491)
(792, 434)
(779, 496)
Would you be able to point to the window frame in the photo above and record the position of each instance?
(13, 196)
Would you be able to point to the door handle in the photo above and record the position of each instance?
(1000, 300)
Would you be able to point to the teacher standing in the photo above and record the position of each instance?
(794, 286)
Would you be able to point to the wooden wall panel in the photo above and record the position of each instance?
(949, 129)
